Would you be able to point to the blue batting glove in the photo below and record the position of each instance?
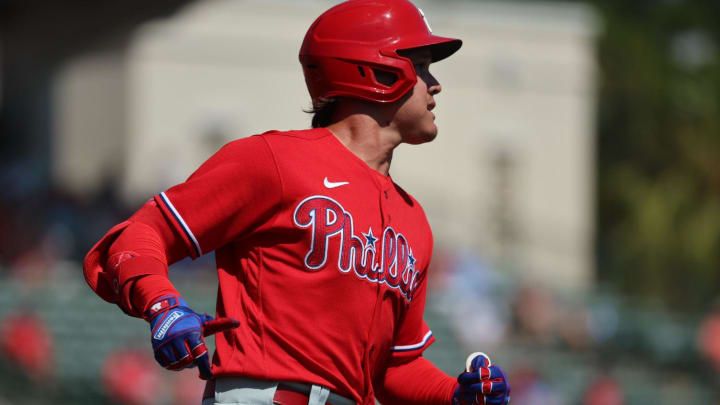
(178, 334)
(482, 383)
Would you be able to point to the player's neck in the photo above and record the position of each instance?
(368, 140)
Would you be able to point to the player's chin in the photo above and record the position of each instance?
(422, 135)
(426, 136)
(419, 140)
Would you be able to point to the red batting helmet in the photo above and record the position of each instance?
(352, 48)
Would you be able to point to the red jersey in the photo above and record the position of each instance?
(321, 258)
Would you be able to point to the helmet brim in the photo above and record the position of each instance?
(439, 47)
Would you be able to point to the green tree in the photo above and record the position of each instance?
(659, 150)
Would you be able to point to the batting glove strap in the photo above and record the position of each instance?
(164, 304)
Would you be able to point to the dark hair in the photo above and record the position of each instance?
(322, 111)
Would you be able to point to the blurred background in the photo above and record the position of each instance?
(574, 188)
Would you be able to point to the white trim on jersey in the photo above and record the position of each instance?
(416, 346)
(182, 223)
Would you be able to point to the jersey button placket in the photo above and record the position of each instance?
(387, 217)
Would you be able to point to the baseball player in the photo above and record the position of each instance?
(321, 258)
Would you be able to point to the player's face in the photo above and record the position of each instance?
(414, 118)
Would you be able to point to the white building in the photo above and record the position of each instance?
(510, 175)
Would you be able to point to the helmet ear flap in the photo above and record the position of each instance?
(328, 77)
(385, 77)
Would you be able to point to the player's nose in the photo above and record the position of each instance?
(433, 85)
(433, 90)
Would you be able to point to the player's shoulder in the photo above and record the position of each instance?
(411, 202)
(311, 134)
(260, 151)
(406, 195)
(239, 148)
(275, 135)
(416, 213)
(269, 138)
(300, 144)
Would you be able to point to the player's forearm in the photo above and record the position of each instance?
(147, 289)
(416, 382)
(138, 260)
(129, 265)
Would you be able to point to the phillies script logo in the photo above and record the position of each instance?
(392, 263)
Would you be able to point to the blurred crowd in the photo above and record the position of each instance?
(560, 349)
(587, 347)
(40, 226)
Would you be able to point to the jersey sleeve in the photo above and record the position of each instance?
(231, 194)
(415, 381)
(414, 336)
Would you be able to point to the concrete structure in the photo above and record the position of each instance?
(510, 175)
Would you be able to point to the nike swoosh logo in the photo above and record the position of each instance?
(333, 184)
